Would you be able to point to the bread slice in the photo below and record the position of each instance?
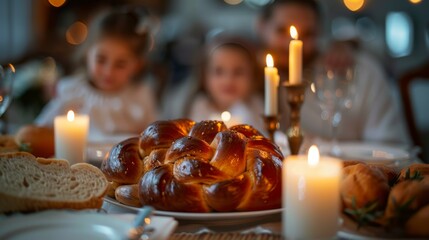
(28, 183)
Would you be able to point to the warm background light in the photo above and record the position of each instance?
(57, 3)
(76, 33)
(354, 5)
(269, 60)
(293, 32)
(415, 1)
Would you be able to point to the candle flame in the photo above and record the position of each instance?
(70, 116)
(313, 156)
(225, 116)
(293, 32)
(270, 61)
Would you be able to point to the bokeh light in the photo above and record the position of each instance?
(354, 5)
(233, 2)
(399, 34)
(225, 116)
(57, 3)
(76, 33)
(415, 1)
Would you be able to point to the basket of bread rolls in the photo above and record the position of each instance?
(186, 166)
(381, 196)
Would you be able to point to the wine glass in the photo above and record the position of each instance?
(7, 73)
(334, 90)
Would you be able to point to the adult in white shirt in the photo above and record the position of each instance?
(373, 116)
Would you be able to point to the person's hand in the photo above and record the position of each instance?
(340, 56)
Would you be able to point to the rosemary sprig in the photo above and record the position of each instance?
(416, 176)
(24, 147)
(401, 211)
(365, 215)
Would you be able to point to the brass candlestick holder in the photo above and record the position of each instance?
(295, 97)
(271, 124)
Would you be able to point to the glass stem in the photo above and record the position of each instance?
(335, 119)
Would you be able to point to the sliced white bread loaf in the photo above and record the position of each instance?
(28, 183)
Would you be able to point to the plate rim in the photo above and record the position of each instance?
(201, 216)
(403, 154)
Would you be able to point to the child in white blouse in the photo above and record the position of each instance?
(229, 81)
(109, 90)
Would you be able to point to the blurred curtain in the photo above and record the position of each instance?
(15, 28)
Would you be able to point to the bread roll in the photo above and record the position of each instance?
(364, 185)
(8, 144)
(351, 162)
(417, 225)
(390, 173)
(407, 197)
(39, 140)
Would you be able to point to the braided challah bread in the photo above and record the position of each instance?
(185, 166)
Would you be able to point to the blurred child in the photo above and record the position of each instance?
(229, 81)
(109, 88)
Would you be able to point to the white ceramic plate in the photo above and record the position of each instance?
(63, 225)
(371, 152)
(219, 218)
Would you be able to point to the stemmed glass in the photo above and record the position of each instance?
(7, 73)
(334, 90)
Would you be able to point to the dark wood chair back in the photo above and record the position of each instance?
(405, 83)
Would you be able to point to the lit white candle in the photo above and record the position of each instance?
(271, 84)
(71, 133)
(311, 196)
(295, 58)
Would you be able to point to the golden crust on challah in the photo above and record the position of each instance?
(200, 167)
(161, 134)
(124, 165)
